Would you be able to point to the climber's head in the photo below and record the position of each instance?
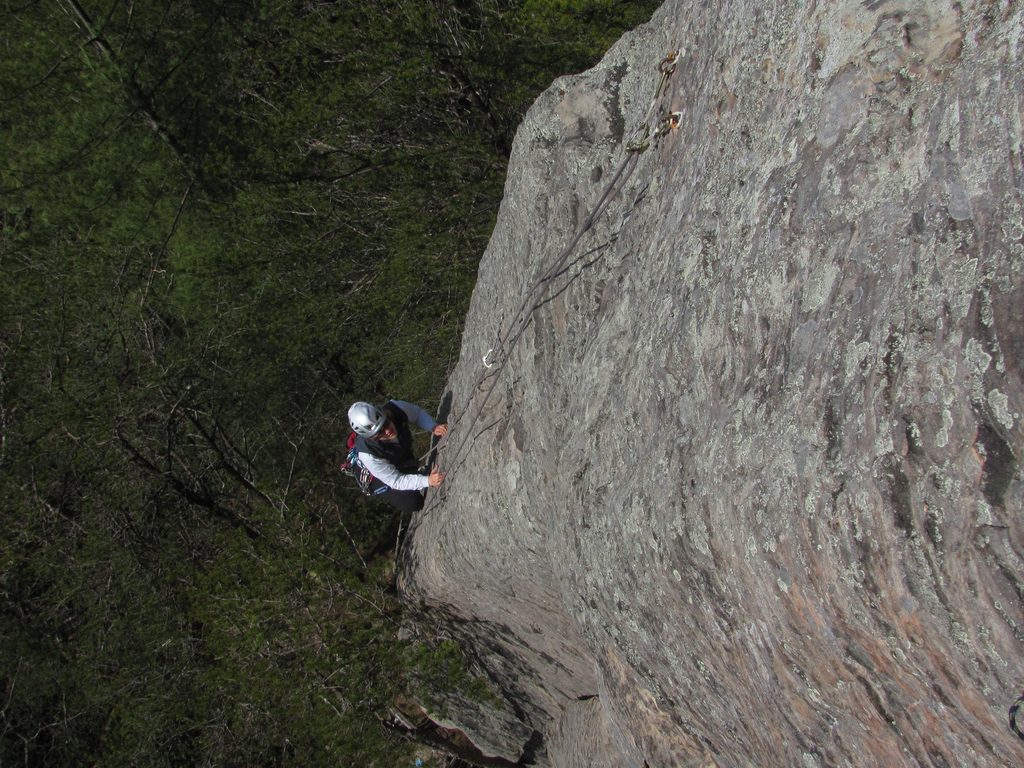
(387, 430)
(366, 419)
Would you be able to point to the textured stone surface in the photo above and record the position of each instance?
(747, 488)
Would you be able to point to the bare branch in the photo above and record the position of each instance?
(200, 497)
(139, 100)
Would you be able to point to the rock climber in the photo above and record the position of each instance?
(384, 444)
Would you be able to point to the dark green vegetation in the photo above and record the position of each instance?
(221, 223)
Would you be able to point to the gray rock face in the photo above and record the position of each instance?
(745, 489)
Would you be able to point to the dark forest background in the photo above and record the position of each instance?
(221, 221)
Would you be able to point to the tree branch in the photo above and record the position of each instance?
(202, 497)
(139, 101)
(225, 461)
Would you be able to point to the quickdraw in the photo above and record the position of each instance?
(667, 68)
(642, 143)
(669, 122)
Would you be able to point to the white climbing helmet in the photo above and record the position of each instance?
(366, 419)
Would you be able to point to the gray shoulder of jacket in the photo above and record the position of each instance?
(416, 414)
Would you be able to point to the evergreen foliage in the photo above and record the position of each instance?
(221, 221)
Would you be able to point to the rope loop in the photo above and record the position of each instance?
(667, 66)
(1014, 726)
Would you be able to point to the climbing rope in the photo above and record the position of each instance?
(508, 336)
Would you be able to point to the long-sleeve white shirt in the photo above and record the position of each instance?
(387, 472)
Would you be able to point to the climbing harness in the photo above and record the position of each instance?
(354, 468)
(496, 357)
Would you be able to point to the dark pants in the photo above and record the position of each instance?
(407, 501)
